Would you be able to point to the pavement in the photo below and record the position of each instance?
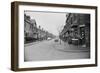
(64, 46)
(51, 50)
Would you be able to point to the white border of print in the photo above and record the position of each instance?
(33, 64)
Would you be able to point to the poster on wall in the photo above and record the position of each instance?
(52, 36)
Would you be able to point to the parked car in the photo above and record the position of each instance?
(56, 40)
(48, 38)
(75, 41)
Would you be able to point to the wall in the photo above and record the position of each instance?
(5, 37)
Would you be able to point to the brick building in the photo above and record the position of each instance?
(32, 32)
(30, 29)
(77, 29)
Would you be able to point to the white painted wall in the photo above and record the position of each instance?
(5, 36)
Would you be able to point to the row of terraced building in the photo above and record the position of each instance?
(33, 33)
(77, 29)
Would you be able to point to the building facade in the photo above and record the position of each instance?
(77, 29)
(32, 32)
(30, 29)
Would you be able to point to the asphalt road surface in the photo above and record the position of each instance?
(51, 50)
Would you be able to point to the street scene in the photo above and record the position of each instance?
(56, 36)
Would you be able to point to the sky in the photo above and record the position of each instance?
(49, 21)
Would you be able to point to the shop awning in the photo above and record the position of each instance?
(74, 25)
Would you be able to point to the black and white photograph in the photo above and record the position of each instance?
(56, 36)
(52, 36)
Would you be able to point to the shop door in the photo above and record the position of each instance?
(82, 34)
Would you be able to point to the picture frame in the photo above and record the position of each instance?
(80, 53)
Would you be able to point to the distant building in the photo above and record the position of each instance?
(77, 28)
(32, 32)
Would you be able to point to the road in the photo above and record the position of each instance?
(51, 50)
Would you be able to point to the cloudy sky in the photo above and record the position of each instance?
(50, 21)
